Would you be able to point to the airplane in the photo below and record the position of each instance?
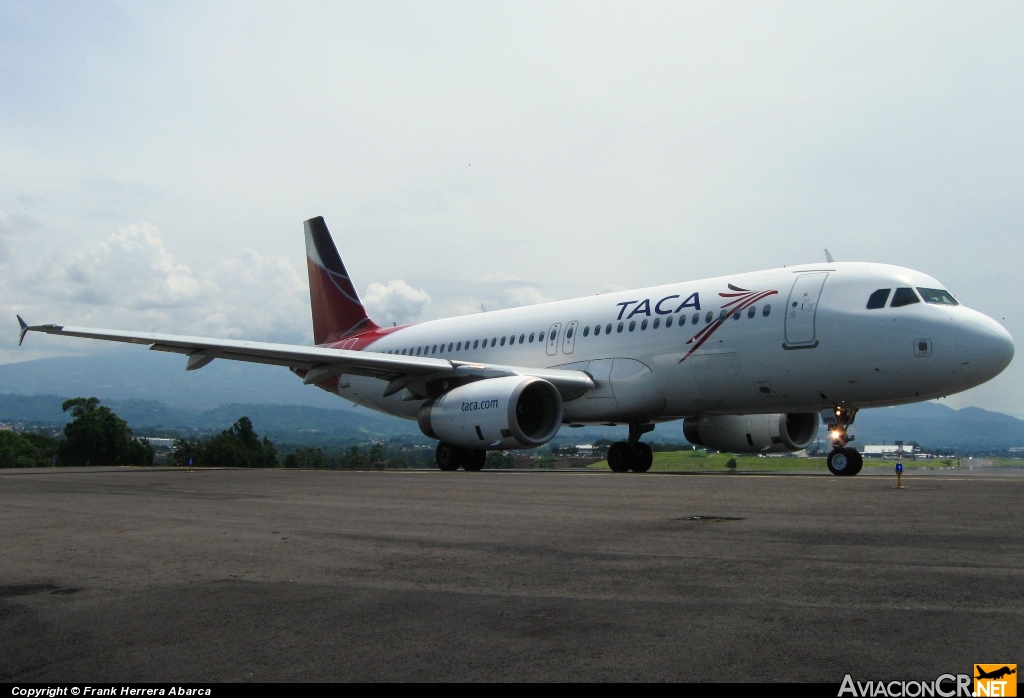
(749, 362)
(995, 674)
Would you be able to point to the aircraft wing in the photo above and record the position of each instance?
(320, 363)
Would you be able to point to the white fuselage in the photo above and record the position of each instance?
(668, 355)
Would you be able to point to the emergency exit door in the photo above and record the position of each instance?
(802, 309)
(553, 338)
(569, 338)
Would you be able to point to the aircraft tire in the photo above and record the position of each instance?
(474, 460)
(448, 456)
(844, 461)
(620, 457)
(856, 462)
(643, 457)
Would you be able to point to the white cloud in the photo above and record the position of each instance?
(396, 301)
(5, 232)
(131, 281)
(524, 295)
(131, 269)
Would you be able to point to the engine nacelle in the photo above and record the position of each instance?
(753, 433)
(495, 413)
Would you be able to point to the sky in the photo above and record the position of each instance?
(157, 159)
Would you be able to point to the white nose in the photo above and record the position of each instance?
(985, 348)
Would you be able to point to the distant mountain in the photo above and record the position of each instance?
(285, 423)
(155, 375)
(152, 391)
(934, 425)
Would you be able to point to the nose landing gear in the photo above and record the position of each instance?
(634, 454)
(842, 460)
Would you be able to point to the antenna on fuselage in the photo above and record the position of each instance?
(828, 256)
(482, 308)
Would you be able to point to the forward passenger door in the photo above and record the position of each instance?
(802, 308)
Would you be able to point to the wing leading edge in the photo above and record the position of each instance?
(318, 364)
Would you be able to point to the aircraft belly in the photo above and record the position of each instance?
(722, 383)
(626, 389)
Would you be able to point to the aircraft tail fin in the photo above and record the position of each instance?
(337, 310)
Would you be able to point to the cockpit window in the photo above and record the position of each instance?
(878, 298)
(904, 296)
(937, 296)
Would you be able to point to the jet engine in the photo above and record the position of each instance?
(753, 433)
(495, 413)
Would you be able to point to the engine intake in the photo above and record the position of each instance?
(753, 433)
(495, 413)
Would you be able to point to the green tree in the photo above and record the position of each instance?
(305, 457)
(97, 436)
(26, 450)
(499, 460)
(238, 446)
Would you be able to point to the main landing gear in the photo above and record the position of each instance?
(634, 454)
(451, 457)
(843, 460)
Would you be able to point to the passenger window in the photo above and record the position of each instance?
(736, 315)
(476, 343)
(696, 318)
(502, 342)
(668, 321)
(937, 296)
(531, 338)
(442, 348)
(722, 315)
(767, 311)
(752, 312)
(643, 325)
(878, 298)
(568, 335)
(540, 337)
(521, 338)
(657, 323)
(608, 328)
(619, 328)
(434, 350)
(709, 316)
(597, 330)
(904, 296)
(418, 350)
(632, 325)
(449, 346)
(494, 340)
(458, 347)
(586, 331)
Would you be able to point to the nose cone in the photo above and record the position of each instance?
(985, 348)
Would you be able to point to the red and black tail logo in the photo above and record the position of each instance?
(337, 310)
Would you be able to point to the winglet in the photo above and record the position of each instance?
(828, 256)
(24, 330)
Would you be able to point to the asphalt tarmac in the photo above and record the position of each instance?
(116, 575)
